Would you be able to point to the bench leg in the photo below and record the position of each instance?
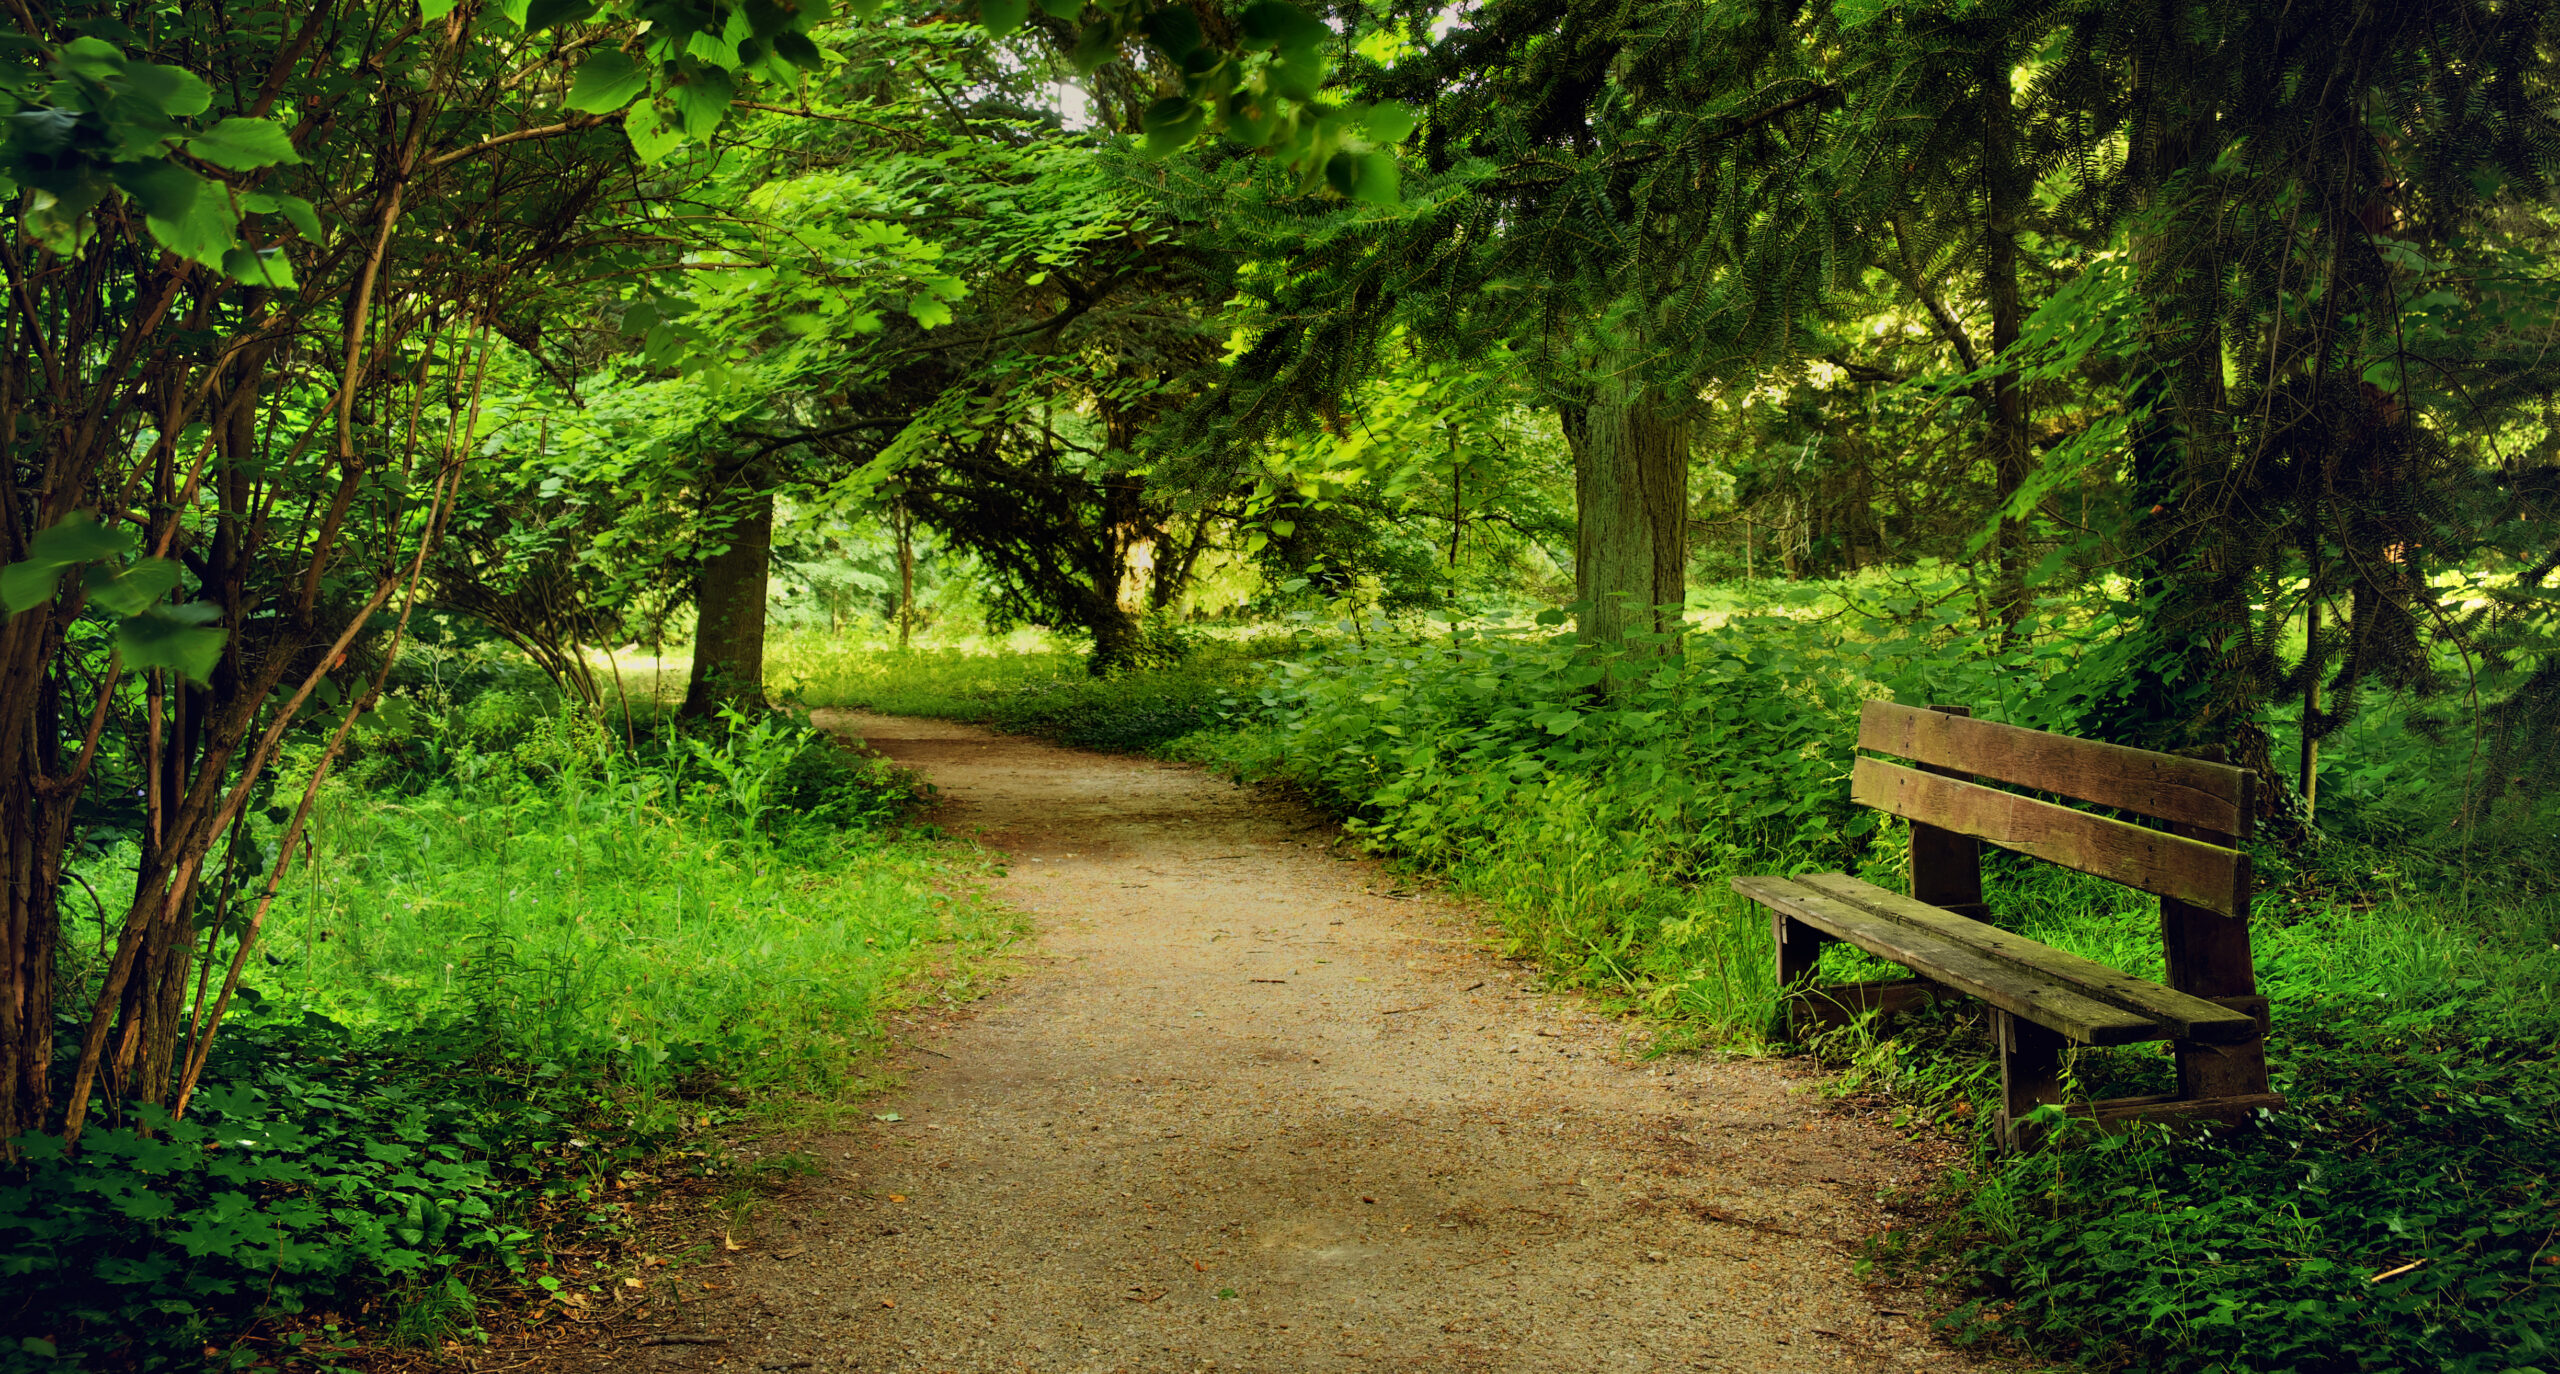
(1799, 949)
(2211, 1072)
(2030, 1073)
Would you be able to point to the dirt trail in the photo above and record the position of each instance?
(1256, 1106)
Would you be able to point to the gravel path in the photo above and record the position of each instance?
(1256, 1105)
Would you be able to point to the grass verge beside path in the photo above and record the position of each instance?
(2397, 1216)
(527, 986)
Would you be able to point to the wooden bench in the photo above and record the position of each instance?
(2209, 1012)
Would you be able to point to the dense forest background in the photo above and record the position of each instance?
(450, 444)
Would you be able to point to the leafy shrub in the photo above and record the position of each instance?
(314, 1165)
(2426, 1158)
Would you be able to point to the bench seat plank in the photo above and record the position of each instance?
(2192, 871)
(2038, 997)
(2191, 1018)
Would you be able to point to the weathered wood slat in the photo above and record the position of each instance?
(2204, 875)
(2191, 1018)
(2119, 1112)
(2045, 1000)
(2163, 786)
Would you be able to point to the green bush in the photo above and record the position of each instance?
(315, 1164)
(2426, 1157)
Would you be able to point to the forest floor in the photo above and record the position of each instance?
(1253, 1102)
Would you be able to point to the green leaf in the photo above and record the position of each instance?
(433, 10)
(1390, 121)
(1062, 9)
(259, 267)
(1281, 26)
(175, 90)
(28, 584)
(796, 49)
(296, 211)
(766, 19)
(928, 310)
(1175, 31)
(58, 217)
(1171, 124)
(1001, 17)
(607, 82)
(1342, 172)
(1375, 181)
(163, 189)
(1297, 74)
(176, 638)
(703, 101)
(244, 145)
(203, 234)
(647, 129)
(78, 538)
(1096, 44)
(94, 58)
(131, 590)
(544, 14)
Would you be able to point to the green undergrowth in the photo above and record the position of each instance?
(2410, 953)
(530, 967)
(1049, 694)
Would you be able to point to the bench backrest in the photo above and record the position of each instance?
(2194, 865)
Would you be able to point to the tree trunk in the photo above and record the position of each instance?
(2005, 195)
(904, 525)
(2185, 690)
(1115, 637)
(729, 601)
(1631, 532)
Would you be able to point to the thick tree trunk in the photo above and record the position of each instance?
(729, 601)
(2187, 689)
(1115, 638)
(1631, 531)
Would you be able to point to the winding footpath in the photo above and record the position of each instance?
(1252, 1104)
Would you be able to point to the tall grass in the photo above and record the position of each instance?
(726, 902)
